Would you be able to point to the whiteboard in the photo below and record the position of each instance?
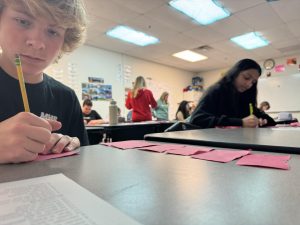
(282, 92)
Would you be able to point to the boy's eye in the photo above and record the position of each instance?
(53, 32)
(23, 22)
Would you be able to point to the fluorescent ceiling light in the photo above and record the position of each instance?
(250, 40)
(130, 35)
(190, 56)
(203, 11)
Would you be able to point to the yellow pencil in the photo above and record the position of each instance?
(22, 83)
(251, 108)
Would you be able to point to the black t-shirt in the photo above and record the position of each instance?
(93, 115)
(48, 99)
(224, 106)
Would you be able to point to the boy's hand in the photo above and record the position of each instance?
(59, 143)
(23, 136)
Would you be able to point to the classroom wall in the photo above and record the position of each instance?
(211, 77)
(119, 70)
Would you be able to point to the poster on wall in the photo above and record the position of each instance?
(96, 91)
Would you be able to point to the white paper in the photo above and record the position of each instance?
(56, 200)
(287, 128)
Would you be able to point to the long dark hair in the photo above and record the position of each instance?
(182, 108)
(228, 80)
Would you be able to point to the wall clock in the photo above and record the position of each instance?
(269, 64)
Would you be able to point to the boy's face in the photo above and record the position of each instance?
(36, 39)
(86, 109)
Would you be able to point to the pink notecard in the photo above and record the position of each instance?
(295, 124)
(229, 127)
(59, 155)
(222, 155)
(273, 161)
(162, 147)
(129, 144)
(189, 150)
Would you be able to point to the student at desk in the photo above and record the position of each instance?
(264, 106)
(90, 117)
(38, 32)
(183, 111)
(227, 103)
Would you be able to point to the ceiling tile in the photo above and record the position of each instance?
(260, 17)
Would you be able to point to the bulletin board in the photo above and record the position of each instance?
(282, 92)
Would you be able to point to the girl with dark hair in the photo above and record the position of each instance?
(183, 111)
(226, 103)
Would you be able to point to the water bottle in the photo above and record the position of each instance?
(113, 113)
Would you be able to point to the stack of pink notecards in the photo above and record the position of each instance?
(189, 150)
(222, 155)
(129, 144)
(58, 155)
(273, 161)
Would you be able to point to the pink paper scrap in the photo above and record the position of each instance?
(272, 161)
(295, 124)
(129, 144)
(222, 155)
(228, 127)
(58, 155)
(189, 150)
(162, 147)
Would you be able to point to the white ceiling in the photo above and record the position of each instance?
(277, 21)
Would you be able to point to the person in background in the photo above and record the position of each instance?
(161, 112)
(139, 100)
(39, 32)
(90, 117)
(227, 103)
(183, 111)
(129, 116)
(121, 119)
(264, 106)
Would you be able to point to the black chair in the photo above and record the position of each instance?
(179, 126)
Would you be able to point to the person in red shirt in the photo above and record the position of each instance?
(139, 100)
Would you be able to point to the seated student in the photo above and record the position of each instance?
(161, 112)
(226, 103)
(264, 106)
(139, 100)
(183, 111)
(90, 117)
(39, 32)
(121, 119)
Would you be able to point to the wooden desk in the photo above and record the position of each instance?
(164, 189)
(127, 131)
(266, 139)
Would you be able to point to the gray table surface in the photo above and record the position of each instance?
(156, 188)
(266, 139)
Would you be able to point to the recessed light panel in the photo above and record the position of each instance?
(133, 36)
(203, 11)
(250, 40)
(190, 56)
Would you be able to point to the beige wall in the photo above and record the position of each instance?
(93, 62)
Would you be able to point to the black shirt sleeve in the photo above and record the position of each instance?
(214, 110)
(95, 116)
